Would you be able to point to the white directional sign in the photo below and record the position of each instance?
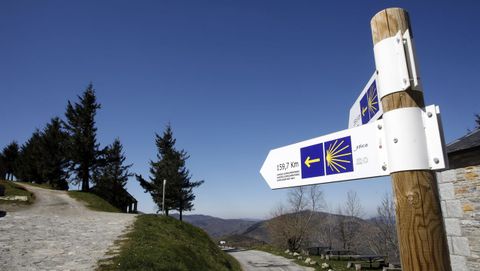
(349, 154)
(404, 139)
(367, 107)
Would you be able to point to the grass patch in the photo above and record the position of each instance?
(93, 202)
(164, 243)
(337, 265)
(12, 189)
(271, 249)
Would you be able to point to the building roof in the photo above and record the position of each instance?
(117, 190)
(468, 141)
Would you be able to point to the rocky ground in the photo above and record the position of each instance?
(57, 233)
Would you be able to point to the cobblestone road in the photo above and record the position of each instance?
(57, 233)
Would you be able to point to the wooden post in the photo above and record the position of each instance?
(420, 227)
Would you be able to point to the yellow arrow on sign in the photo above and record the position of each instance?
(309, 161)
(364, 110)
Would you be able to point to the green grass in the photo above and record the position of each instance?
(93, 202)
(340, 265)
(12, 189)
(164, 243)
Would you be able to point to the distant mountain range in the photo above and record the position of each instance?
(249, 228)
(248, 232)
(218, 227)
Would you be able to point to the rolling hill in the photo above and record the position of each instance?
(321, 235)
(218, 227)
(248, 233)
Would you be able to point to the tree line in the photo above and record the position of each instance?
(307, 221)
(66, 151)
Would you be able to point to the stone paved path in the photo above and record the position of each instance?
(57, 233)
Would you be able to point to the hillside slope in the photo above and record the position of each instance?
(320, 237)
(164, 243)
(218, 227)
(258, 231)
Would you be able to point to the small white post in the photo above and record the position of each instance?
(163, 196)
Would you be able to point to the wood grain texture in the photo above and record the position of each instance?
(388, 22)
(402, 99)
(420, 227)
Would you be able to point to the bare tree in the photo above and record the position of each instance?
(353, 207)
(342, 227)
(290, 225)
(317, 201)
(349, 226)
(384, 238)
(324, 229)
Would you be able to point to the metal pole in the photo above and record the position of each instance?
(420, 227)
(163, 197)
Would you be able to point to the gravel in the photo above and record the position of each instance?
(57, 233)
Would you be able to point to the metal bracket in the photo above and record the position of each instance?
(411, 63)
(437, 155)
(395, 63)
(391, 65)
(382, 146)
(413, 139)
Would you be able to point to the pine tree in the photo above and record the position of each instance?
(83, 146)
(170, 166)
(54, 152)
(477, 121)
(186, 197)
(10, 157)
(112, 172)
(111, 176)
(42, 158)
(31, 161)
(3, 170)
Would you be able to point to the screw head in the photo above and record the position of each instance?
(429, 114)
(395, 140)
(379, 127)
(436, 161)
(384, 167)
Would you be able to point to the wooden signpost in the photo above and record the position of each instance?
(406, 143)
(420, 229)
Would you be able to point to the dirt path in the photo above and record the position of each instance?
(57, 233)
(254, 260)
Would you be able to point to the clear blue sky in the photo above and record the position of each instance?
(234, 78)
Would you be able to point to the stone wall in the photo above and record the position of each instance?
(460, 199)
